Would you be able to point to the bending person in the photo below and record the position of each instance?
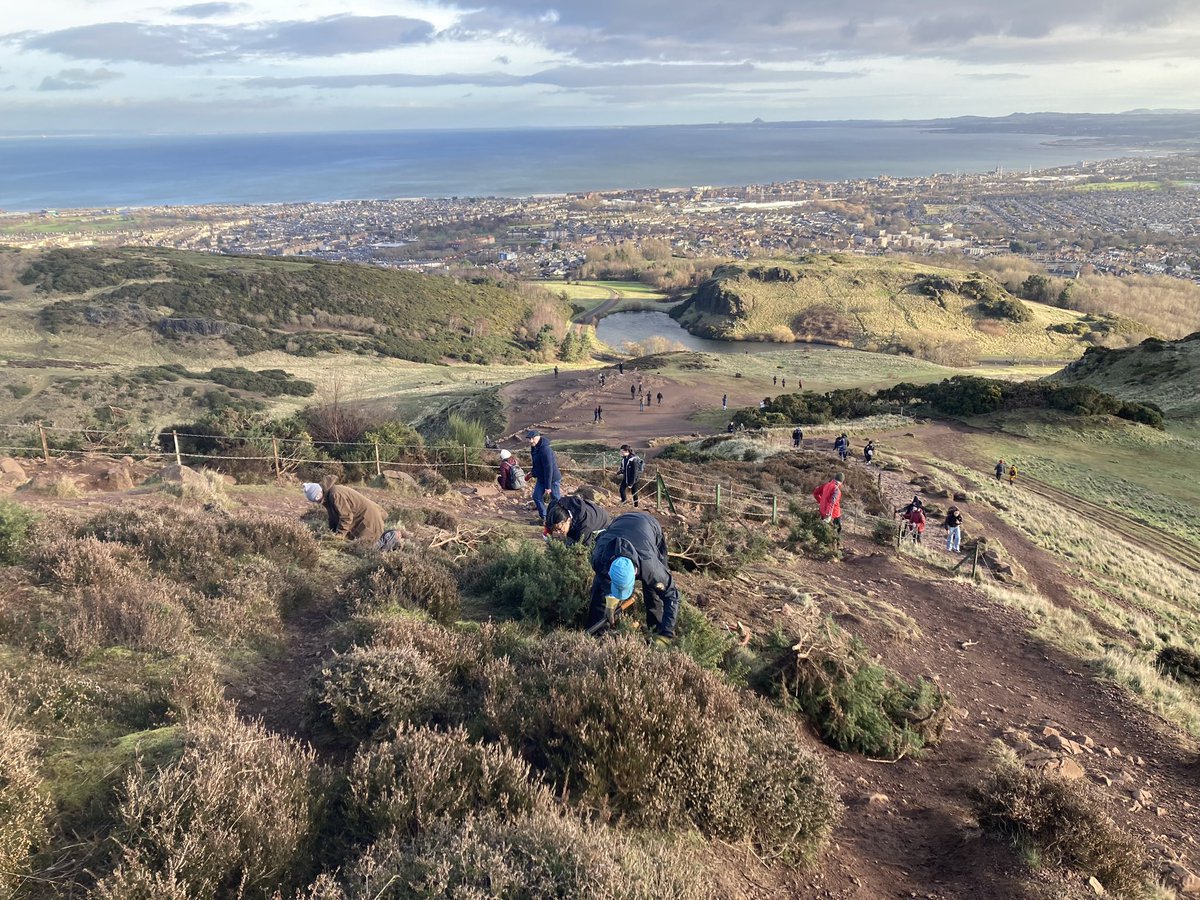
(633, 549)
(355, 517)
(576, 520)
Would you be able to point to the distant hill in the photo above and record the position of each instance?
(1166, 373)
(297, 306)
(888, 305)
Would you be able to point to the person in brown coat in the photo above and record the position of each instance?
(351, 515)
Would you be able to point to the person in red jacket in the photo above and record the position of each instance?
(829, 501)
(915, 517)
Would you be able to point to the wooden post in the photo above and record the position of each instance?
(378, 465)
(718, 496)
(275, 452)
(975, 561)
(465, 462)
(45, 443)
(658, 493)
(178, 456)
(774, 509)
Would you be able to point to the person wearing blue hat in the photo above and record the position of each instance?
(633, 548)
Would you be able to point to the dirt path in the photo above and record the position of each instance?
(590, 317)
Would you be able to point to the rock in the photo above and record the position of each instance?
(1183, 880)
(11, 471)
(400, 482)
(1141, 795)
(962, 496)
(1064, 767)
(116, 478)
(177, 474)
(1049, 731)
(878, 800)
(1160, 810)
(1096, 886)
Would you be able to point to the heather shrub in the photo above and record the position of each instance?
(23, 808)
(137, 612)
(407, 579)
(546, 584)
(421, 777)
(439, 518)
(208, 488)
(64, 561)
(432, 482)
(234, 816)
(1061, 821)
(544, 856)
(15, 521)
(854, 703)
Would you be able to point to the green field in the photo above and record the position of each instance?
(1118, 186)
(603, 290)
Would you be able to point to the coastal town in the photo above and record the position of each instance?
(1121, 216)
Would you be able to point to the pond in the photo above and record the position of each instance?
(649, 328)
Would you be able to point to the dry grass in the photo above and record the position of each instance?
(23, 806)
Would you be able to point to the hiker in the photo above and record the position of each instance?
(649, 399)
(724, 401)
(800, 381)
(1000, 470)
(915, 503)
(915, 517)
(1012, 474)
(556, 371)
(576, 520)
(632, 391)
(869, 452)
(729, 429)
(784, 383)
(762, 404)
(621, 368)
(601, 379)
(829, 501)
(632, 467)
(774, 379)
(641, 405)
(841, 445)
(797, 436)
(660, 398)
(953, 526)
(353, 516)
(546, 476)
(633, 548)
(505, 479)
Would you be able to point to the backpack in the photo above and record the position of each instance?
(638, 465)
(516, 478)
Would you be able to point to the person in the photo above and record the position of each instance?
(556, 371)
(953, 526)
(632, 467)
(576, 520)
(1012, 474)
(633, 548)
(649, 399)
(800, 383)
(869, 452)
(915, 517)
(641, 405)
(797, 436)
(724, 401)
(632, 391)
(660, 398)
(506, 468)
(621, 368)
(353, 516)
(841, 445)
(829, 501)
(1000, 470)
(774, 379)
(762, 404)
(601, 379)
(729, 428)
(914, 503)
(546, 476)
(784, 383)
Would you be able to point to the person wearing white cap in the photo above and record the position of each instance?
(351, 515)
(506, 467)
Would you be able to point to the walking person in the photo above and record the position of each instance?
(546, 476)
(774, 379)
(953, 526)
(660, 398)
(641, 405)
(632, 467)
(829, 502)
(632, 391)
(633, 548)
(797, 437)
(724, 401)
(649, 399)
(784, 383)
(504, 479)
(1000, 470)
(556, 371)
(621, 368)
(351, 515)
(869, 452)
(1012, 474)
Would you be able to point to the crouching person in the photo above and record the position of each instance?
(633, 548)
(576, 520)
(351, 515)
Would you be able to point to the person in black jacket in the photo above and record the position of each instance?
(634, 548)
(953, 526)
(576, 520)
(797, 436)
(545, 473)
(631, 474)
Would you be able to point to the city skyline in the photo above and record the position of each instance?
(125, 65)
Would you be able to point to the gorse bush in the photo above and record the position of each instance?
(544, 856)
(716, 545)
(1062, 823)
(809, 535)
(15, 521)
(407, 579)
(1179, 663)
(547, 585)
(236, 815)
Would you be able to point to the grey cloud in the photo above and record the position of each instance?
(77, 79)
(182, 45)
(206, 10)
(995, 76)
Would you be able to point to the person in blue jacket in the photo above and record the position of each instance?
(546, 476)
(633, 548)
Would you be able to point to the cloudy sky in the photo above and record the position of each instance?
(314, 65)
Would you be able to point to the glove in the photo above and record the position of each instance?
(660, 641)
(828, 520)
(610, 609)
(660, 587)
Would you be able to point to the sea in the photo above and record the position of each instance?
(57, 172)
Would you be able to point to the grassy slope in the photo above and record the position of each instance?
(876, 303)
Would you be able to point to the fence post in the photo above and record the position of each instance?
(774, 509)
(378, 466)
(45, 443)
(178, 456)
(975, 561)
(658, 493)
(275, 453)
(465, 477)
(718, 496)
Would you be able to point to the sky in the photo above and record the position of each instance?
(310, 65)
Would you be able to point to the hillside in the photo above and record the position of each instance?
(259, 304)
(887, 305)
(1165, 373)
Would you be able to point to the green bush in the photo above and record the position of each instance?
(699, 638)
(809, 535)
(1062, 823)
(717, 545)
(547, 584)
(407, 579)
(15, 521)
(1179, 663)
(1005, 308)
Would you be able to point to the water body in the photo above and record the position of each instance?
(92, 171)
(623, 328)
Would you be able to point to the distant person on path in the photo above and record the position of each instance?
(774, 379)
(762, 404)
(351, 515)
(576, 520)
(546, 476)
(1000, 470)
(641, 405)
(633, 548)
(729, 429)
(649, 399)
(556, 371)
(632, 467)
(1012, 474)
(915, 517)
(784, 383)
(621, 368)
(800, 382)
(842, 445)
(724, 401)
(953, 526)
(797, 436)
(829, 501)
(632, 391)
(660, 398)
(602, 378)
(869, 452)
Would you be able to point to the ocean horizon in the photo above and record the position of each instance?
(97, 171)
